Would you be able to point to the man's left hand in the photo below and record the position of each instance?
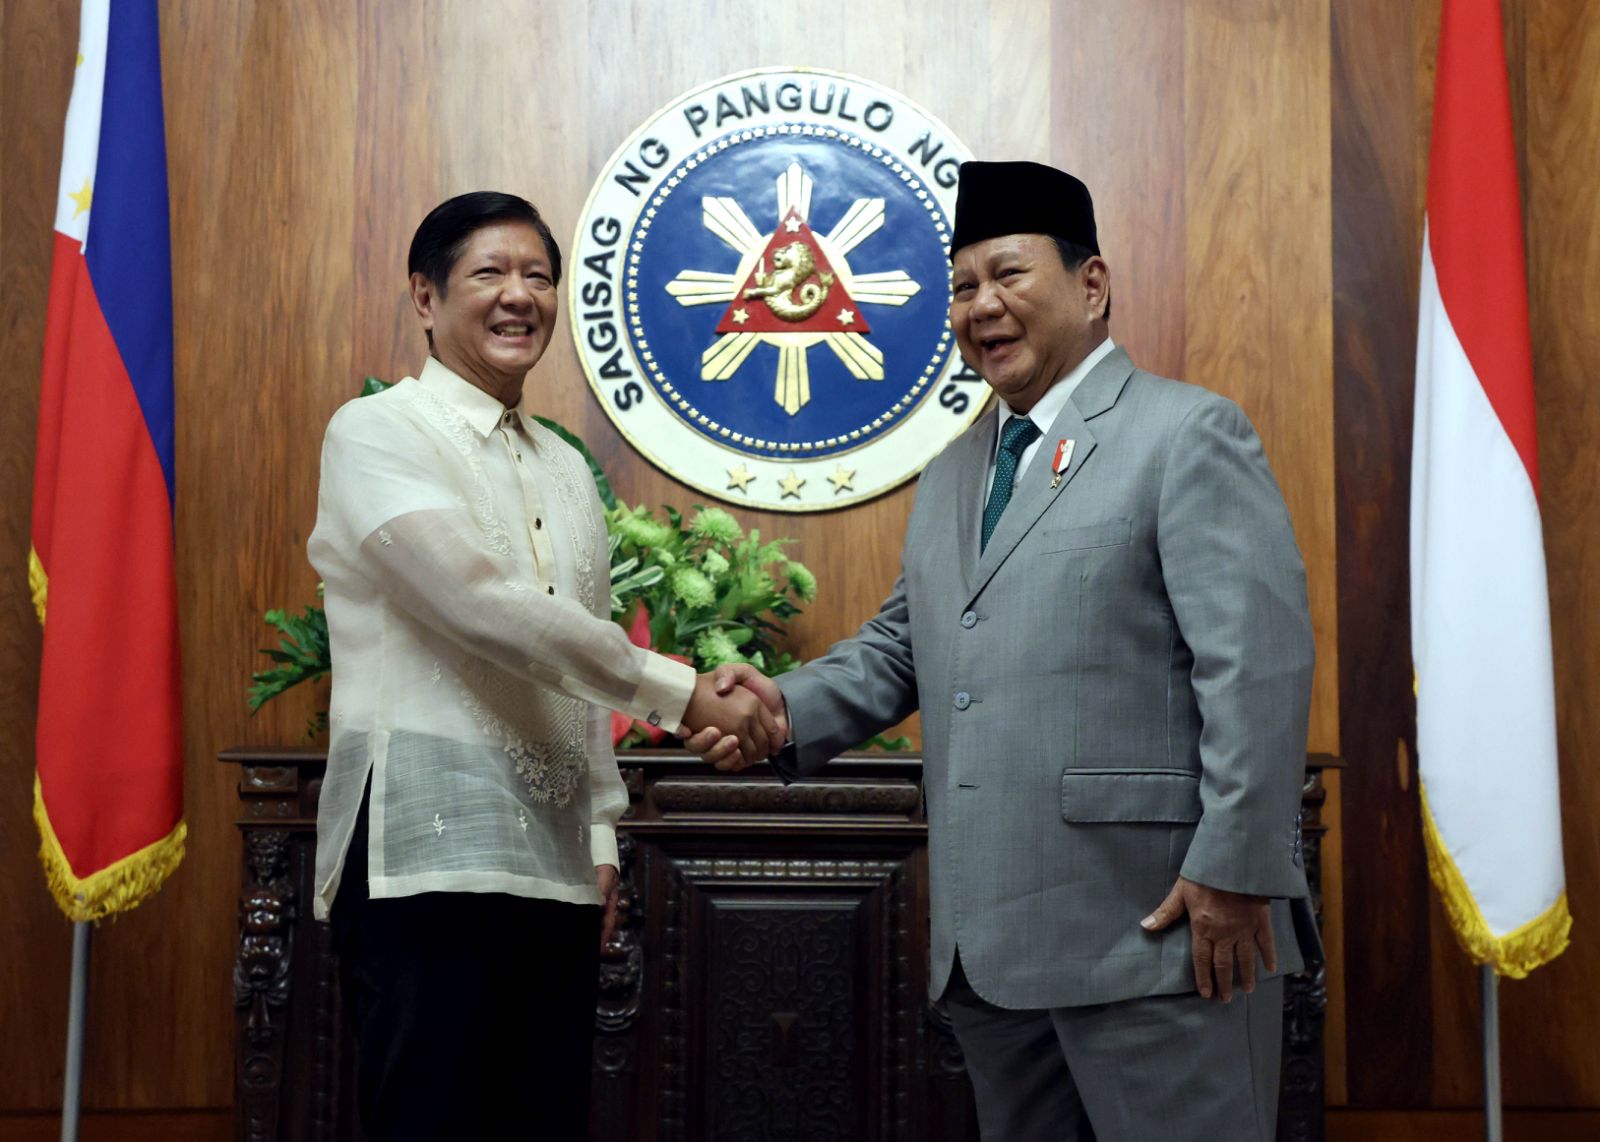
(606, 876)
(1226, 930)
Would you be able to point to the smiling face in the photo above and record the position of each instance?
(494, 316)
(1021, 318)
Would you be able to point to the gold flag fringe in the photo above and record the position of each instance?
(116, 888)
(1516, 953)
(38, 583)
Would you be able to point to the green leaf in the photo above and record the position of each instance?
(302, 653)
(372, 385)
(892, 745)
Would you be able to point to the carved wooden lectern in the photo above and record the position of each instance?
(769, 980)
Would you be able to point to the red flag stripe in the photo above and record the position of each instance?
(108, 700)
(1475, 219)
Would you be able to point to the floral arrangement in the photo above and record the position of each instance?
(704, 592)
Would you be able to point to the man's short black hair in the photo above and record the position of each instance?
(1073, 256)
(439, 241)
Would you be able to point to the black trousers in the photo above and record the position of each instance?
(473, 1013)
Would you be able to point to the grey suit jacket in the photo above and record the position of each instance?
(1115, 693)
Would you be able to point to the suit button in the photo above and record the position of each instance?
(969, 620)
(963, 699)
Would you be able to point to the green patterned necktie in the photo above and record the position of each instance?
(1018, 433)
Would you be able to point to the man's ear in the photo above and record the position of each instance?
(423, 296)
(1096, 278)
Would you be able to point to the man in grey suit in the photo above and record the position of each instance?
(1102, 616)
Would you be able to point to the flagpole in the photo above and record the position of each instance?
(77, 1016)
(1493, 1125)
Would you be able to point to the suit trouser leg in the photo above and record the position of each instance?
(1178, 1068)
(1020, 1080)
(1174, 1068)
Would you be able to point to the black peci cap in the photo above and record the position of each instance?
(1021, 198)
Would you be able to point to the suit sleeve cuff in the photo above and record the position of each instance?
(1236, 861)
(664, 692)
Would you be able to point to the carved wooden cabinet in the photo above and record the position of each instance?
(769, 980)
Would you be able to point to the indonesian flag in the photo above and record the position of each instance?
(1480, 613)
(108, 794)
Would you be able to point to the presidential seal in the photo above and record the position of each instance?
(760, 290)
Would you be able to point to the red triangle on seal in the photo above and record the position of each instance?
(792, 289)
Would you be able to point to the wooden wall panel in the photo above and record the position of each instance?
(1376, 236)
(1460, 1126)
(1113, 123)
(399, 177)
(1257, 289)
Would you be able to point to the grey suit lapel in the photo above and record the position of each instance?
(1097, 393)
(976, 452)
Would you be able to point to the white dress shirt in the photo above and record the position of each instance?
(466, 574)
(1044, 413)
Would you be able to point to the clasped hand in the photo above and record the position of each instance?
(736, 717)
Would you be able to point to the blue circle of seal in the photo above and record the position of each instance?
(669, 338)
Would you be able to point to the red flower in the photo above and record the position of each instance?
(621, 725)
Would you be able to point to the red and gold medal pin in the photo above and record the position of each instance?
(1063, 458)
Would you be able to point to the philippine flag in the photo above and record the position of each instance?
(108, 793)
(1480, 612)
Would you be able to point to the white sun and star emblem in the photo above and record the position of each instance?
(808, 296)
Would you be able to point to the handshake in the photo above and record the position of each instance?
(735, 718)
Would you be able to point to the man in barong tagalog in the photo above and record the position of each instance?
(466, 843)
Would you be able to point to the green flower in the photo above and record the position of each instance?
(642, 531)
(714, 648)
(803, 581)
(717, 525)
(771, 552)
(714, 564)
(757, 591)
(692, 588)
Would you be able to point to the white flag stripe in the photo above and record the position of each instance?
(80, 152)
(1481, 638)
